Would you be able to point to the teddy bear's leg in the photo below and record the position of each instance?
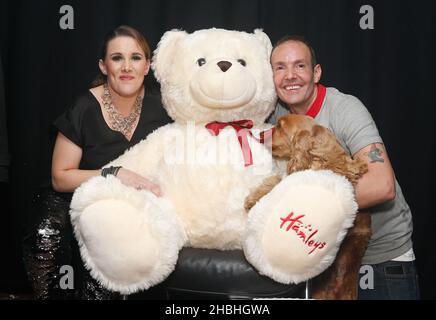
(294, 232)
(129, 239)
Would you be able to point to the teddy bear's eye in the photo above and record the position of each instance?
(242, 62)
(201, 61)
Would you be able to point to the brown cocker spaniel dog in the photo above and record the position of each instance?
(307, 145)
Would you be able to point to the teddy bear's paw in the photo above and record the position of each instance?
(294, 232)
(128, 240)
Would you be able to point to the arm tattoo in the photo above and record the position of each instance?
(375, 154)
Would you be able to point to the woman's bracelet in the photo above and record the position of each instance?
(110, 170)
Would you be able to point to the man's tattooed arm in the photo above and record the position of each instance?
(375, 154)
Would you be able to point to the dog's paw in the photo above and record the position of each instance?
(267, 185)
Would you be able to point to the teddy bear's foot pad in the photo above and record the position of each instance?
(128, 243)
(294, 232)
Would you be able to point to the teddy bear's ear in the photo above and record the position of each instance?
(262, 36)
(165, 50)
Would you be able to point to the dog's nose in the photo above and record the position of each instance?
(224, 65)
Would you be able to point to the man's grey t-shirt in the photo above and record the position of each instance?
(355, 129)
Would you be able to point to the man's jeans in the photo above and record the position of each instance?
(392, 280)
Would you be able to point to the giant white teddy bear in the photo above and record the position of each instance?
(215, 84)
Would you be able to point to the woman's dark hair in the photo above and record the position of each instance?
(121, 31)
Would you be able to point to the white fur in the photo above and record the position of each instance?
(209, 183)
(333, 216)
(130, 239)
(164, 223)
(204, 93)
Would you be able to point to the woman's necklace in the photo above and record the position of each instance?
(117, 121)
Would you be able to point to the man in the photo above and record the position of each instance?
(389, 253)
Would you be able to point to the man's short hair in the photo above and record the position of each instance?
(298, 39)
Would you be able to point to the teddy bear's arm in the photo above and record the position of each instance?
(143, 157)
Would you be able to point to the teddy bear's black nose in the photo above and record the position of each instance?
(224, 65)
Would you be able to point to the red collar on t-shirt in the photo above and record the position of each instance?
(316, 106)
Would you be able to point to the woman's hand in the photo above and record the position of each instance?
(132, 179)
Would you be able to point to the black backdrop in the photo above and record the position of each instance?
(390, 68)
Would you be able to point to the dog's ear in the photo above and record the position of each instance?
(283, 138)
(302, 140)
(322, 140)
(301, 159)
(327, 150)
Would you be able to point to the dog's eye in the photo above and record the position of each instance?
(201, 61)
(242, 62)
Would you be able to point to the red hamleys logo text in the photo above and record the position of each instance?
(303, 231)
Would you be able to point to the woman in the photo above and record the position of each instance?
(109, 118)
(115, 114)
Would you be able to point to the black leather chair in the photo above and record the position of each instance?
(215, 274)
(199, 274)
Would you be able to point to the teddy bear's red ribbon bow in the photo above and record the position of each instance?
(242, 129)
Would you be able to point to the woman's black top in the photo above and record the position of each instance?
(84, 125)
